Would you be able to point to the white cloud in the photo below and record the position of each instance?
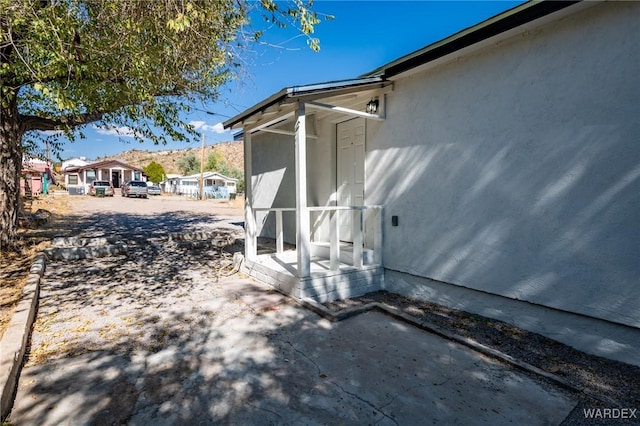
(201, 125)
(122, 131)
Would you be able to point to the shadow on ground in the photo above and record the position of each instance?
(161, 336)
(131, 228)
(165, 334)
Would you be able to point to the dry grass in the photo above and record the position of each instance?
(14, 266)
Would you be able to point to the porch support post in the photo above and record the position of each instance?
(279, 241)
(302, 212)
(250, 231)
(377, 235)
(357, 237)
(334, 240)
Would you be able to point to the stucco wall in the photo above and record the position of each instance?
(273, 170)
(516, 170)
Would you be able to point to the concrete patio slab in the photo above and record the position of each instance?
(228, 360)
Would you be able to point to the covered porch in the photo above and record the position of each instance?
(326, 241)
(320, 268)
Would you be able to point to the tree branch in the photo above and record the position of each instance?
(33, 122)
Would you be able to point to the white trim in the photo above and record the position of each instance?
(283, 117)
(285, 132)
(303, 225)
(342, 110)
(251, 244)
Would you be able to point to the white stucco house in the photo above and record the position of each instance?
(502, 160)
(170, 183)
(77, 178)
(215, 185)
(74, 162)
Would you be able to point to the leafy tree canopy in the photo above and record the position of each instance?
(155, 172)
(214, 160)
(189, 164)
(66, 63)
(124, 62)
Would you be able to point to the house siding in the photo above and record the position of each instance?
(515, 170)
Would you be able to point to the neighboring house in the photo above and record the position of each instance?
(170, 184)
(78, 178)
(35, 177)
(215, 185)
(503, 160)
(73, 162)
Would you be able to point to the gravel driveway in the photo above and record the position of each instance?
(166, 333)
(138, 219)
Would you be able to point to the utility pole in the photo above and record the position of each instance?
(45, 184)
(202, 169)
(47, 154)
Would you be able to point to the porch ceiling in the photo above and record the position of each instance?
(280, 118)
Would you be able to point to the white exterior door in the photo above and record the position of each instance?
(350, 170)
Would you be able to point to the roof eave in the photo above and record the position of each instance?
(499, 24)
(302, 92)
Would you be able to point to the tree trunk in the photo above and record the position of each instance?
(10, 168)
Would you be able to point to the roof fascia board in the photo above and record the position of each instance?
(341, 91)
(271, 100)
(349, 85)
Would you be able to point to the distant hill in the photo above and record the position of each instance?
(232, 151)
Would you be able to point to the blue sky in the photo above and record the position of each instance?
(363, 36)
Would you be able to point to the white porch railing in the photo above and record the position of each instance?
(366, 231)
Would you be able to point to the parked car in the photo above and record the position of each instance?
(102, 184)
(135, 188)
(154, 190)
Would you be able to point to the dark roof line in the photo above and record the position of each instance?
(499, 24)
(100, 164)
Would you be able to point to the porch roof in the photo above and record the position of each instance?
(208, 175)
(310, 92)
(102, 165)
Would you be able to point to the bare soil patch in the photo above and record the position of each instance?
(14, 266)
(63, 212)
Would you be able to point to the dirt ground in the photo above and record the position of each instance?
(14, 266)
(606, 383)
(35, 235)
